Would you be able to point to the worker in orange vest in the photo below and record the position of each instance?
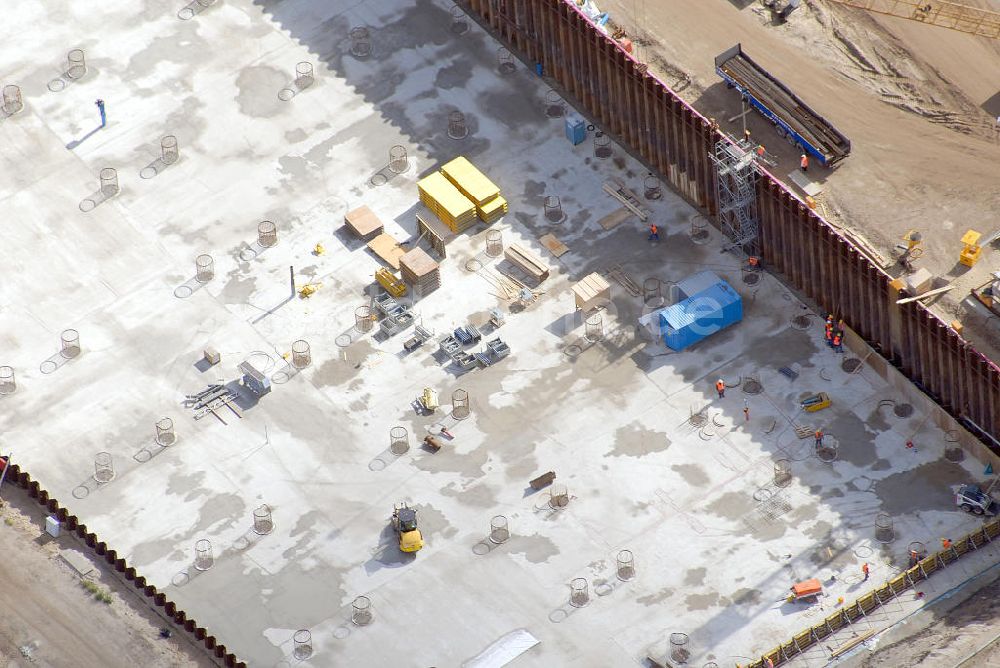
(819, 439)
(654, 233)
(804, 162)
(864, 569)
(720, 387)
(829, 336)
(946, 543)
(761, 151)
(838, 343)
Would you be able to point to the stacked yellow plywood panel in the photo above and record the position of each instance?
(472, 183)
(447, 202)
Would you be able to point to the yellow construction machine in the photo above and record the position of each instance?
(404, 522)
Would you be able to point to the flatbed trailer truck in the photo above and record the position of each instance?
(792, 118)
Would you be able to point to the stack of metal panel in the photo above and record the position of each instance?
(447, 202)
(472, 183)
(396, 316)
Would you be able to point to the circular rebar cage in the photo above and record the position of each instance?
(168, 149)
(301, 355)
(499, 529)
(7, 382)
(459, 24)
(579, 592)
(678, 647)
(76, 64)
(165, 434)
(554, 105)
(304, 76)
(505, 61)
(460, 404)
(109, 181)
(602, 145)
(398, 161)
(204, 267)
(361, 42)
(652, 188)
(626, 565)
(70, 343)
(699, 229)
(553, 208)
(884, 532)
(828, 451)
(302, 644)
(594, 327)
(399, 440)
(262, 523)
(203, 557)
(457, 128)
(267, 233)
(494, 243)
(12, 101)
(363, 319)
(104, 467)
(361, 611)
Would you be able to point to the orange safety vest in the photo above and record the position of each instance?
(760, 150)
(652, 229)
(829, 333)
(804, 162)
(720, 386)
(819, 434)
(836, 340)
(754, 261)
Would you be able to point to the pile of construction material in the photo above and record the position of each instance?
(363, 223)
(460, 193)
(396, 316)
(490, 206)
(420, 271)
(447, 202)
(455, 346)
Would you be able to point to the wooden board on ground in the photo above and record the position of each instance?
(615, 218)
(387, 248)
(556, 247)
(529, 262)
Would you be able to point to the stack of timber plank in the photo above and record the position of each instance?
(363, 223)
(420, 270)
(529, 262)
(447, 202)
(482, 192)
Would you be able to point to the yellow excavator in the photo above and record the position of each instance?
(404, 521)
(971, 20)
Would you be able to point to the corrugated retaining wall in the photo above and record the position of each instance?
(675, 140)
(101, 550)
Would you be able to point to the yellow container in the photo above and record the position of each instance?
(388, 280)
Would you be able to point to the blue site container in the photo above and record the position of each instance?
(698, 317)
(576, 129)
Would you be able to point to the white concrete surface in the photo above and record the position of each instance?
(716, 544)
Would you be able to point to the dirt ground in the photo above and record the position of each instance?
(49, 618)
(919, 104)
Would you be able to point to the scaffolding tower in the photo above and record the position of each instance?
(736, 192)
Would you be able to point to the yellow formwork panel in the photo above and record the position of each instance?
(472, 182)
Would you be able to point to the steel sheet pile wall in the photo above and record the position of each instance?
(675, 140)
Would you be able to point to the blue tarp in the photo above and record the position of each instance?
(701, 315)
